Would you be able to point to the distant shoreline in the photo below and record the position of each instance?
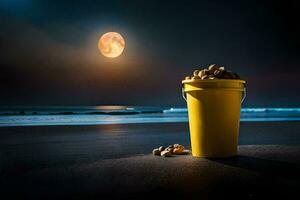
(134, 124)
(84, 113)
(19, 111)
(50, 116)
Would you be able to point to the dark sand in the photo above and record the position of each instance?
(113, 161)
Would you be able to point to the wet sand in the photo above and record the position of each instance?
(113, 161)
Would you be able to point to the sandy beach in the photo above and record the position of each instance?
(115, 162)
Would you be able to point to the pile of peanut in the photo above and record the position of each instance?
(169, 151)
(213, 72)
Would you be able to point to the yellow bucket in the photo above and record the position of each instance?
(214, 115)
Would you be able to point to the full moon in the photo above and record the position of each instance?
(111, 44)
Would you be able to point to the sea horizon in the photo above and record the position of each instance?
(97, 115)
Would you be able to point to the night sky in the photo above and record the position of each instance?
(49, 53)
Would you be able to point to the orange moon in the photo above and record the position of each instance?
(111, 44)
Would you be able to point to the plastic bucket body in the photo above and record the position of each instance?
(214, 115)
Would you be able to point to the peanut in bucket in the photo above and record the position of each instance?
(214, 98)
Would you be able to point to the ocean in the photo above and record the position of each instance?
(94, 115)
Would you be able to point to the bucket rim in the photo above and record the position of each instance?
(212, 81)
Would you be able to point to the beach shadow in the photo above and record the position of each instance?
(266, 167)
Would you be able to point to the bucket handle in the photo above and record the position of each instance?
(244, 95)
(184, 94)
